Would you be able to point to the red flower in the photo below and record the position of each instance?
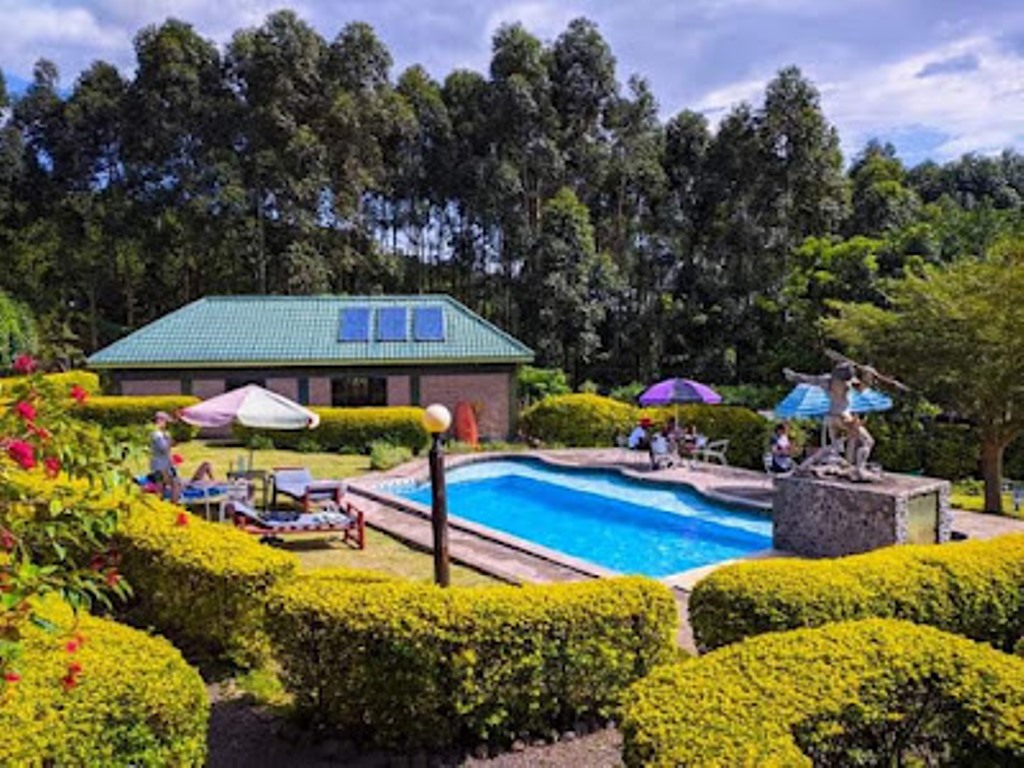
(7, 540)
(74, 669)
(113, 577)
(69, 682)
(26, 410)
(71, 646)
(80, 639)
(177, 460)
(24, 364)
(78, 394)
(22, 453)
(182, 519)
(97, 563)
(52, 466)
(41, 432)
(11, 677)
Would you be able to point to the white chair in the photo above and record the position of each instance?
(714, 451)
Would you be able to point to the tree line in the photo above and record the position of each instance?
(545, 194)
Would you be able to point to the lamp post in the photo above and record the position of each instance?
(437, 419)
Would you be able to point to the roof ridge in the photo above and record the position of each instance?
(483, 320)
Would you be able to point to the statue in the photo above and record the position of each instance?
(842, 426)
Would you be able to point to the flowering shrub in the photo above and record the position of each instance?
(54, 535)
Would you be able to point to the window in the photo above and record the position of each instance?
(238, 381)
(428, 324)
(355, 391)
(391, 324)
(355, 324)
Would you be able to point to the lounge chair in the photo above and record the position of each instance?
(297, 483)
(272, 526)
(661, 452)
(713, 451)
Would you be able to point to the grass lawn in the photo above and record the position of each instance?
(973, 502)
(382, 553)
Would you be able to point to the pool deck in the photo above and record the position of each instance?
(516, 561)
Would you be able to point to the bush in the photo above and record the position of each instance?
(747, 432)
(354, 428)
(136, 701)
(117, 411)
(385, 456)
(261, 442)
(406, 666)
(873, 692)
(580, 420)
(535, 384)
(201, 584)
(63, 380)
(974, 589)
(628, 393)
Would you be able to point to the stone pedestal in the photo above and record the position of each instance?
(817, 517)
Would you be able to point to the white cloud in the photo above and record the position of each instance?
(545, 20)
(59, 33)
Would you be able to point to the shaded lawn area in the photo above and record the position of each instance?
(383, 553)
(968, 497)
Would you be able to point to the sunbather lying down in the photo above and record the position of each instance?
(272, 525)
(202, 485)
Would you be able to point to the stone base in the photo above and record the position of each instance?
(825, 517)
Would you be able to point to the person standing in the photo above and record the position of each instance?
(161, 466)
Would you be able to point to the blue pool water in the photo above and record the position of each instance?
(603, 517)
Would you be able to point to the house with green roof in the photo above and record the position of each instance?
(326, 350)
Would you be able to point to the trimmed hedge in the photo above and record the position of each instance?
(201, 584)
(406, 666)
(581, 420)
(975, 589)
(65, 380)
(118, 411)
(353, 429)
(136, 701)
(845, 694)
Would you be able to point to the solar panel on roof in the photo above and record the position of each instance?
(391, 325)
(428, 324)
(355, 324)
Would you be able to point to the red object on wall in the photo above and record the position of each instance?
(465, 423)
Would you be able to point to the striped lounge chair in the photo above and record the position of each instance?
(297, 483)
(336, 521)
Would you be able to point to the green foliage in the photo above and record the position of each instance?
(201, 584)
(135, 701)
(756, 397)
(308, 445)
(406, 666)
(118, 411)
(263, 442)
(534, 384)
(875, 692)
(18, 332)
(353, 429)
(580, 420)
(627, 393)
(385, 456)
(975, 589)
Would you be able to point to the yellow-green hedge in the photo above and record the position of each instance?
(838, 695)
(406, 666)
(580, 420)
(202, 584)
(353, 429)
(65, 380)
(118, 411)
(748, 433)
(136, 702)
(974, 589)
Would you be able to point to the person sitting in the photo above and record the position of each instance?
(661, 452)
(782, 450)
(639, 438)
(692, 441)
(675, 435)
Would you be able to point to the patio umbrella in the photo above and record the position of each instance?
(250, 406)
(809, 401)
(677, 391)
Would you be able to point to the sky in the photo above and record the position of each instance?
(937, 78)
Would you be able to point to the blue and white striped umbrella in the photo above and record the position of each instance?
(808, 401)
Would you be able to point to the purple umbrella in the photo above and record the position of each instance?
(677, 391)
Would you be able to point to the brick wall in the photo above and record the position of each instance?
(491, 390)
(399, 392)
(142, 387)
(289, 387)
(204, 389)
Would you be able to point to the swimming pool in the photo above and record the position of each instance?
(600, 516)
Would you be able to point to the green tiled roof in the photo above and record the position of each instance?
(243, 331)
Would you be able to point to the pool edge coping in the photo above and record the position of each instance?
(374, 492)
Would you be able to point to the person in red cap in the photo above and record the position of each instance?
(640, 437)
